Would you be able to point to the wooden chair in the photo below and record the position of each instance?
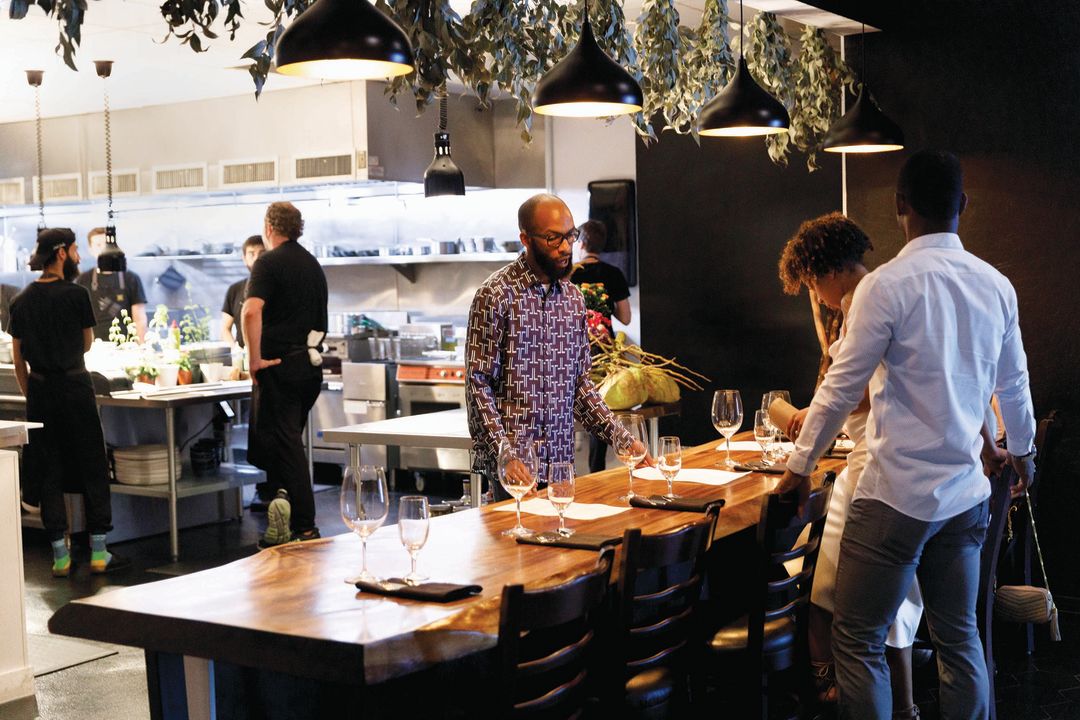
(546, 639)
(771, 637)
(659, 586)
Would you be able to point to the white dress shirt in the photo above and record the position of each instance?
(942, 326)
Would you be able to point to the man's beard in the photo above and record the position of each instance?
(549, 268)
(71, 269)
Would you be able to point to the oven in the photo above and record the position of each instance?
(426, 386)
(365, 393)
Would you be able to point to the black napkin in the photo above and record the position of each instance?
(431, 592)
(760, 467)
(578, 541)
(682, 504)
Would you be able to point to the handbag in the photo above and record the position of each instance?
(1027, 603)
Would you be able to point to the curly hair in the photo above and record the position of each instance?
(826, 244)
(285, 219)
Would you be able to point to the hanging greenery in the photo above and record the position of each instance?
(507, 45)
(770, 62)
(819, 72)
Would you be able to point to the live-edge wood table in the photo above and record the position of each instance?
(288, 610)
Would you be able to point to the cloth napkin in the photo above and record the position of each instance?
(431, 591)
(578, 541)
(680, 504)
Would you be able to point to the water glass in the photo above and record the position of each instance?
(631, 447)
(765, 433)
(727, 417)
(766, 402)
(669, 460)
(414, 520)
(561, 491)
(518, 466)
(364, 505)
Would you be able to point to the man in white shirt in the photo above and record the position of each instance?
(934, 332)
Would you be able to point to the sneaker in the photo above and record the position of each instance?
(277, 521)
(309, 534)
(62, 568)
(107, 564)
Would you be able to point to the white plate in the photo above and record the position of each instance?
(701, 476)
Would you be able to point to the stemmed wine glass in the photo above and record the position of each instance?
(630, 448)
(727, 417)
(766, 403)
(669, 460)
(518, 466)
(765, 435)
(414, 519)
(561, 491)
(364, 505)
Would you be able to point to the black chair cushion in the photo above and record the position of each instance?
(732, 638)
(650, 688)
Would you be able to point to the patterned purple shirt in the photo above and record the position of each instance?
(528, 363)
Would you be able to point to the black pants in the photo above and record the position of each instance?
(279, 412)
(597, 454)
(68, 454)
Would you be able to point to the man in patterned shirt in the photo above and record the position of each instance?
(527, 355)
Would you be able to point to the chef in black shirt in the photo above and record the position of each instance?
(237, 293)
(112, 292)
(52, 327)
(591, 269)
(284, 320)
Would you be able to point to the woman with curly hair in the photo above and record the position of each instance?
(826, 255)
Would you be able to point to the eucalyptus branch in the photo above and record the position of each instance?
(770, 62)
(708, 66)
(820, 76)
(659, 45)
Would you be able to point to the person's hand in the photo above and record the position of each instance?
(795, 426)
(1025, 473)
(255, 364)
(648, 460)
(792, 481)
(993, 460)
(517, 473)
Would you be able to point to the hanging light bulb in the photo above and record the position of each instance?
(587, 83)
(112, 258)
(743, 108)
(344, 40)
(443, 176)
(864, 128)
(34, 77)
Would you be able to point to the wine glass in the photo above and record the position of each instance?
(518, 466)
(630, 446)
(561, 491)
(766, 402)
(765, 434)
(414, 519)
(364, 505)
(727, 417)
(669, 460)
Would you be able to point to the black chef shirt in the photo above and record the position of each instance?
(109, 298)
(605, 274)
(292, 284)
(234, 303)
(48, 318)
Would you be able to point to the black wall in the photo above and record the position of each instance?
(711, 223)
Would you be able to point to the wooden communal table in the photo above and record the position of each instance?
(288, 609)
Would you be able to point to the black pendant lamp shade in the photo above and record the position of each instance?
(443, 176)
(587, 83)
(742, 109)
(344, 40)
(864, 129)
(111, 258)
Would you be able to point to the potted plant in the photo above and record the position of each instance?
(144, 372)
(184, 375)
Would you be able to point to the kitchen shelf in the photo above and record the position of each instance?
(406, 264)
(227, 477)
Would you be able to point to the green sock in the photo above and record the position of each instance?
(61, 558)
(98, 553)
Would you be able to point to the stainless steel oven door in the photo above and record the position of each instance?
(331, 410)
(421, 398)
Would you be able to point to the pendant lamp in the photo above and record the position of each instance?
(344, 40)
(587, 83)
(864, 129)
(34, 77)
(443, 176)
(112, 258)
(743, 108)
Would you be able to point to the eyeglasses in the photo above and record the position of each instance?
(554, 239)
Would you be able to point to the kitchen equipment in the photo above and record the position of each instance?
(426, 386)
(448, 247)
(367, 392)
(442, 332)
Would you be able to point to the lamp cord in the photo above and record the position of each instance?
(862, 37)
(40, 154)
(742, 30)
(108, 150)
(442, 108)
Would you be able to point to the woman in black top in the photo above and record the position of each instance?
(52, 326)
(595, 271)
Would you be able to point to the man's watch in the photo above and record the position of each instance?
(1029, 456)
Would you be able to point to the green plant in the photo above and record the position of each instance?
(818, 72)
(706, 68)
(183, 361)
(769, 60)
(660, 45)
(195, 324)
(125, 334)
(69, 16)
(145, 368)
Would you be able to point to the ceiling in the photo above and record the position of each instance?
(149, 70)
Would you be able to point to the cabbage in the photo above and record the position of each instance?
(660, 387)
(623, 389)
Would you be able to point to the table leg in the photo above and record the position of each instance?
(654, 434)
(170, 444)
(354, 456)
(309, 444)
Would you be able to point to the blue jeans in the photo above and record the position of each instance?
(881, 551)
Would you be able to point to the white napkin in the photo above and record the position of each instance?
(701, 476)
(576, 511)
(752, 446)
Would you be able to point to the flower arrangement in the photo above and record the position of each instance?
(598, 311)
(126, 334)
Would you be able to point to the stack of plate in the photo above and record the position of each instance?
(144, 465)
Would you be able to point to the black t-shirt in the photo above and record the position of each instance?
(48, 318)
(607, 275)
(292, 284)
(113, 292)
(234, 302)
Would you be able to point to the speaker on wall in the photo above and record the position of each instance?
(614, 203)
